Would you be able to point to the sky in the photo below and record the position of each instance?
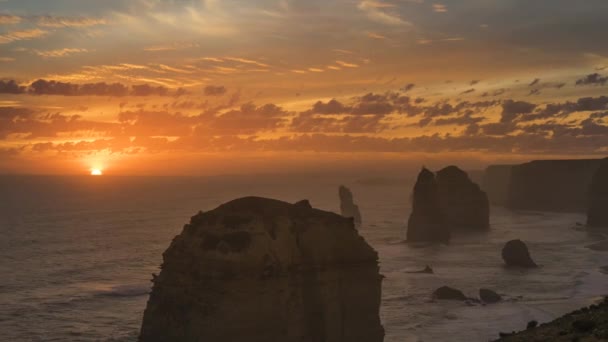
(238, 86)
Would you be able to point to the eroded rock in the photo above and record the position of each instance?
(464, 205)
(489, 296)
(448, 293)
(426, 222)
(348, 208)
(260, 270)
(515, 253)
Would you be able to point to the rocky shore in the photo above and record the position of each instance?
(586, 324)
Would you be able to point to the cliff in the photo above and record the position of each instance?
(495, 183)
(597, 214)
(463, 204)
(552, 185)
(426, 222)
(262, 270)
(348, 208)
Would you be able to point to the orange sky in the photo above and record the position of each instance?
(209, 86)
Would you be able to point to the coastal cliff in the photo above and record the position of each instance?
(597, 214)
(552, 185)
(495, 183)
(259, 270)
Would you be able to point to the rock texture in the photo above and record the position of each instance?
(489, 296)
(597, 214)
(463, 204)
(448, 293)
(515, 253)
(426, 222)
(262, 270)
(348, 208)
(587, 324)
(552, 185)
(495, 183)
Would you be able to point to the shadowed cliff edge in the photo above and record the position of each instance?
(257, 269)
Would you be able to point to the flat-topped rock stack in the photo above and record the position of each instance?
(259, 270)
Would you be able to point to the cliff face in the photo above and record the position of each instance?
(348, 208)
(462, 202)
(495, 183)
(261, 270)
(552, 185)
(427, 222)
(597, 214)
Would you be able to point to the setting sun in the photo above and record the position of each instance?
(96, 172)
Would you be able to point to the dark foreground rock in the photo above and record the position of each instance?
(260, 270)
(448, 293)
(463, 204)
(587, 324)
(348, 208)
(597, 214)
(489, 296)
(426, 222)
(515, 253)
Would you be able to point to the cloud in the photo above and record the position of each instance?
(347, 64)
(21, 35)
(535, 82)
(408, 87)
(59, 52)
(211, 90)
(7, 19)
(514, 109)
(375, 12)
(51, 21)
(593, 79)
(52, 87)
(440, 8)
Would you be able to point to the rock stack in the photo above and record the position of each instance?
(515, 253)
(444, 203)
(258, 270)
(426, 222)
(597, 214)
(348, 208)
(462, 202)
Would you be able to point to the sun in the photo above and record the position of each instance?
(96, 172)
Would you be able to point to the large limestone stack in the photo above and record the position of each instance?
(261, 270)
(426, 222)
(597, 214)
(462, 202)
(348, 208)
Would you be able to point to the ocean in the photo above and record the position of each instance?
(77, 255)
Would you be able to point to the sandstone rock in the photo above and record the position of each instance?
(552, 185)
(496, 180)
(597, 214)
(489, 296)
(448, 293)
(427, 270)
(348, 208)
(260, 270)
(462, 202)
(515, 253)
(426, 222)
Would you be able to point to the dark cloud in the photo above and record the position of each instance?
(408, 87)
(52, 87)
(535, 82)
(593, 79)
(211, 90)
(468, 91)
(11, 87)
(513, 109)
